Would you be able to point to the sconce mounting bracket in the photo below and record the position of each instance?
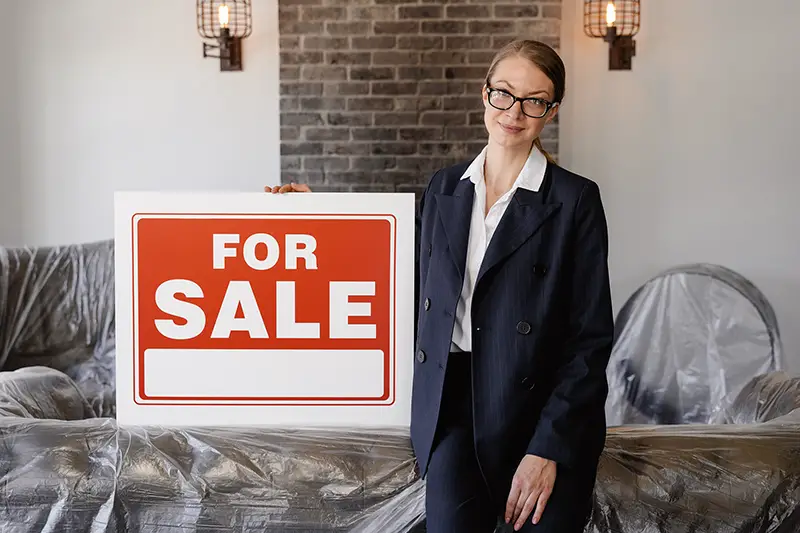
(621, 50)
(229, 53)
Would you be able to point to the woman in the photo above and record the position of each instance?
(515, 320)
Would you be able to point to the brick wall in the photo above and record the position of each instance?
(378, 94)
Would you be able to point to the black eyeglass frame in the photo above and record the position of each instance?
(515, 99)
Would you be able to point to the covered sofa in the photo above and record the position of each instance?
(66, 465)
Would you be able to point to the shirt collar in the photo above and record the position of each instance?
(530, 177)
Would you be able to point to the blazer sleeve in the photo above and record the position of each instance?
(581, 385)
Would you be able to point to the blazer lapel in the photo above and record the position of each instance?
(455, 212)
(524, 215)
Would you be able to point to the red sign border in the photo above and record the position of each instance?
(250, 402)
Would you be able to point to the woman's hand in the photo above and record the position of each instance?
(532, 485)
(289, 187)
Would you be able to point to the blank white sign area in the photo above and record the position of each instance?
(264, 373)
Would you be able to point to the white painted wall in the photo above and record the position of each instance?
(695, 148)
(9, 132)
(115, 95)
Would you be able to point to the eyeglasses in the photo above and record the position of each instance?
(531, 107)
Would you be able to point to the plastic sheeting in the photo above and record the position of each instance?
(65, 467)
(765, 398)
(93, 476)
(686, 343)
(57, 310)
(695, 478)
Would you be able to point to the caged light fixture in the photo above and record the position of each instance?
(226, 22)
(616, 22)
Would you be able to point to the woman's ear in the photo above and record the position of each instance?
(552, 113)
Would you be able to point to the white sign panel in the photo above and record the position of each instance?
(261, 309)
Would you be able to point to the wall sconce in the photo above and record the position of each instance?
(227, 22)
(616, 22)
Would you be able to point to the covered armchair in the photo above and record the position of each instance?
(57, 310)
(704, 435)
(687, 342)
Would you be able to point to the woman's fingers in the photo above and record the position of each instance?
(527, 508)
(511, 503)
(288, 187)
(520, 504)
(540, 505)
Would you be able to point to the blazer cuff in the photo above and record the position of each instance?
(551, 448)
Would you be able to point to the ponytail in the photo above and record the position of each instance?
(538, 144)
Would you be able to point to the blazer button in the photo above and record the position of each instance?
(539, 270)
(524, 328)
(427, 303)
(421, 356)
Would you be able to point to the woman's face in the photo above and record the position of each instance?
(516, 76)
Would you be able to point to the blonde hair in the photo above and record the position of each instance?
(546, 59)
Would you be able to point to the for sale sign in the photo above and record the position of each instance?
(264, 309)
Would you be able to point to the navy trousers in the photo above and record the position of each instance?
(457, 498)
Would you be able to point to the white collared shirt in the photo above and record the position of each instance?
(481, 231)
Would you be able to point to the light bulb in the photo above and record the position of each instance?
(223, 16)
(611, 14)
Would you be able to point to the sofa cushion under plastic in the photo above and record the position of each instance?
(41, 393)
(56, 460)
(700, 479)
(739, 477)
(268, 480)
(65, 470)
(91, 475)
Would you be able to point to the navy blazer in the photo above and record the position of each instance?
(542, 323)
